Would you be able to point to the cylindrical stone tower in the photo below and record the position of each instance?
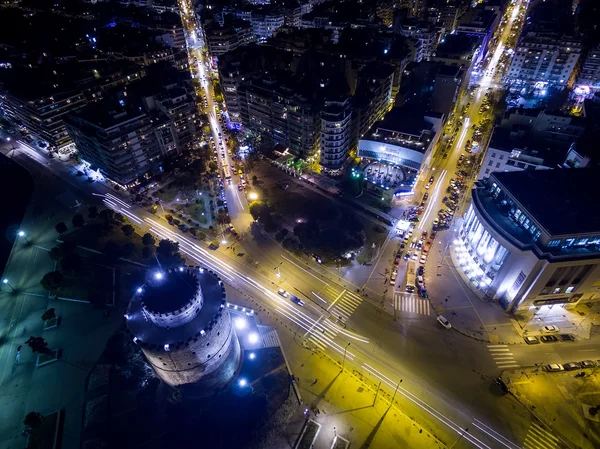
(180, 320)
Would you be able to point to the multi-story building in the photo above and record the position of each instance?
(272, 104)
(531, 239)
(265, 22)
(373, 97)
(336, 132)
(423, 32)
(589, 74)
(223, 39)
(38, 98)
(533, 139)
(459, 50)
(385, 11)
(123, 141)
(544, 59)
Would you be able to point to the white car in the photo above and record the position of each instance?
(428, 185)
(283, 293)
(550, 329)
(444, 322)
(423, 259)
(420, 281)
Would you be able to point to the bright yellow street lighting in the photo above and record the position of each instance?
(253, 196)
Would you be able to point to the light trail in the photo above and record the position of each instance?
(426, 407)
(345, 332)
(319, 297)
(495, 435)
(307, 272)
(436, 192)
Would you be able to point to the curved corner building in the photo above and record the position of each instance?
(180, 320)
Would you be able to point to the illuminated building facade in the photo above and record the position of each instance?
(532, 238)
(180, 320)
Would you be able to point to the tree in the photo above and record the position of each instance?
(201, 235)
(78, 221)
(52, 281)
(38, 345)
(255, 209)
(61, 228)
(127, 230)
(168, 253)
(92, 212)
(33, 420)
(49, 314)
(72, 263)
(120, 217)
(148, 239)
(212, 166)
(106, 215)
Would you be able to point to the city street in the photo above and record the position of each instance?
(439, 378)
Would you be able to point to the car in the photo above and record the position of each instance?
(423, 292)
(407, 255)
(587, 364)
(554, 367)
(431, 180)
(393, 278)
(423, 259)
(550, 329)
(296, 300)
(549, 338)
(436, 221)
(566, 337)
(421, 270)
(427, 186)
(498, 381)
(444, 322)
(420, 281)
(571, 366)
(425, 196)
(283, 293)
(531, 340)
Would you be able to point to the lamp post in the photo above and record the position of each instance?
(344, 360)
(396, 390)
(5, 281)
(22, 235)
(460, 437)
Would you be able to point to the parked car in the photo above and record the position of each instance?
(554, 367)
(531, 340)
(550, 329)
(498, 381)
(587, 364)
(423, 259)
(572, 366)
(444, 322)
(549, 338)
(566, 337)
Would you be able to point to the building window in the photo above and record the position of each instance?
(491, 163)
(569, 289)
(497, 164)
(493, 154)
(501, 157)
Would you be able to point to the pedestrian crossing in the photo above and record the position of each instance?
(539, 438)
(268, 337)
(342, 305)
(405, 302)
(502, 356)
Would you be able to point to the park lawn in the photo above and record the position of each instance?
(194, 210)
(95, 277)
(374, 233)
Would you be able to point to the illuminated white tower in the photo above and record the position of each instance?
(180, 320)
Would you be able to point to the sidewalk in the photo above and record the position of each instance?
(346, 407)
(559, 402)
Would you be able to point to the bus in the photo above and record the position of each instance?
(227, 173)
(411, 275)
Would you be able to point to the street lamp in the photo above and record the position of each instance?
(253, 196)
(22, 235)
(158, 276)
(5, 281)
(344, 361)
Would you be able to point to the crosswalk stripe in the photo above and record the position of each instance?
(345, 307)
(351, 300)
(539, 438)
(496, 346)
(496, 350)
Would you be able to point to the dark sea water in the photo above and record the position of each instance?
(16, 188)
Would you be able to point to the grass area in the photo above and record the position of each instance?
(43, 436)
(340, 444)
(308, 436)
(94, 279)
(194, 209)
(374, 234)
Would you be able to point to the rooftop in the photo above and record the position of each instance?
(171, 293)
(563, 201)
(507, 139)
(150, 333)
(457, 46)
